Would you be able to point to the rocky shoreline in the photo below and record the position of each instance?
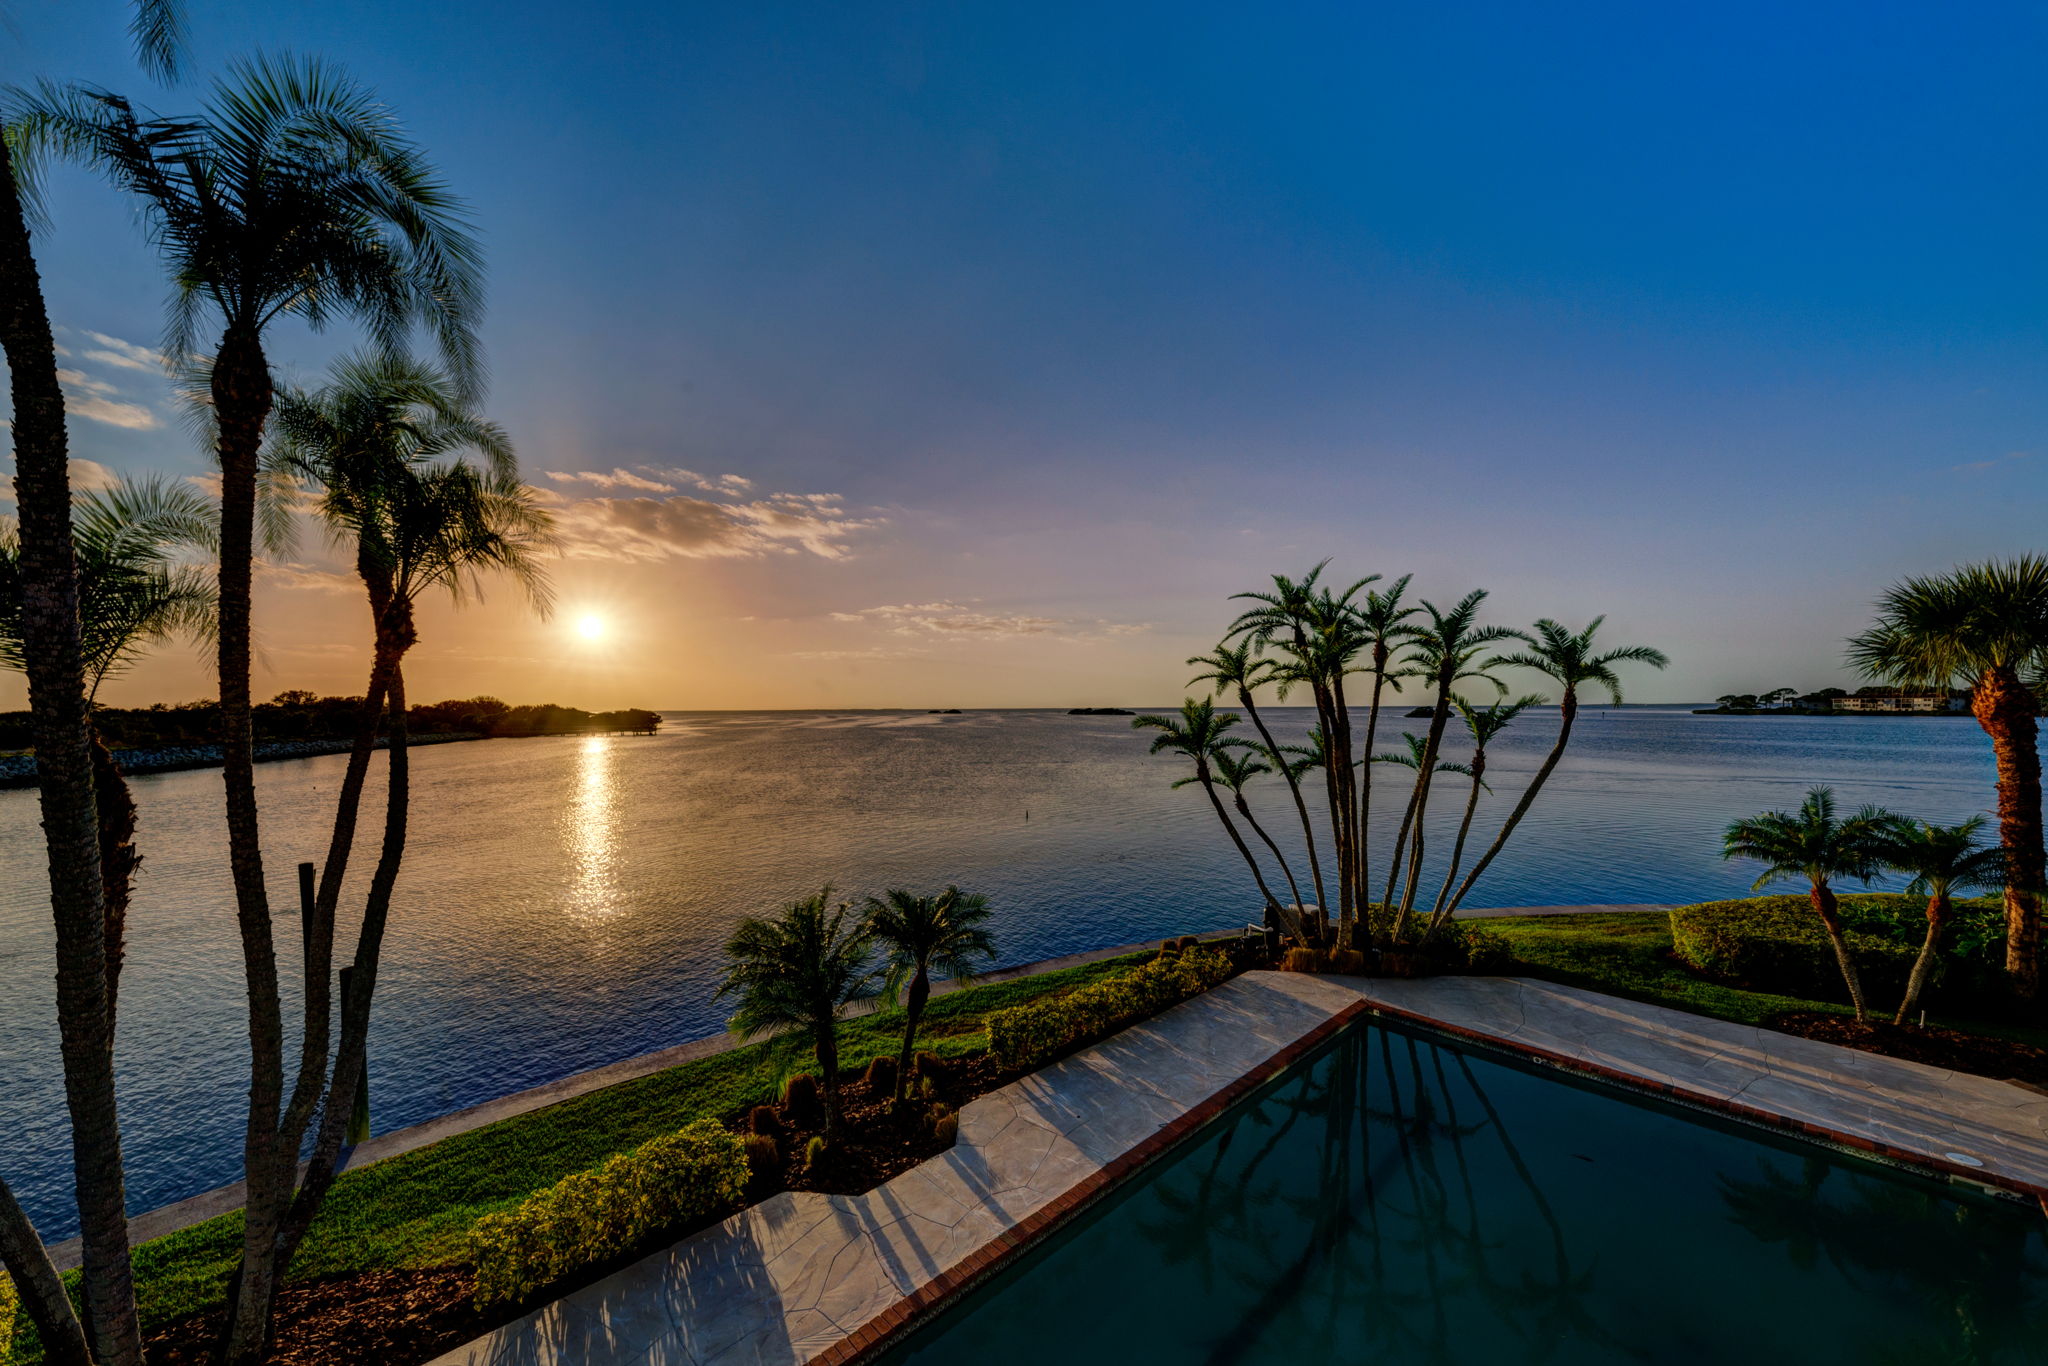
(19, 770)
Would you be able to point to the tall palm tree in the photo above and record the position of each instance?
(918, 934)
(1483, 724)
(59, 715)
(1236, 668)
(1234, 771)
(136, 592)
(1942, 860)
(1417, 748)
(1195, 735)
(798, 970)
(1984, 626)
(1572, 661)
(1446, 650)
(1381, 621)
(1814, 844)
(292, 193)
(376, 446)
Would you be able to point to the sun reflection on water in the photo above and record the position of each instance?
(590, 831)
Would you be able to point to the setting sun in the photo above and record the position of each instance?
(590, 627)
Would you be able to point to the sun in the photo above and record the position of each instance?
(590, 627)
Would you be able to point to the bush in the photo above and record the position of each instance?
(882, 1076)
(803, 1106)
(944, 1123)
(591, 1217)
(931, 1067)
(1301, 960)
(816, 1151)
(1777, 944)
(10, 1304)
(763, 1120)
(1029, 1036)
(764, 1156)
(1463, 946)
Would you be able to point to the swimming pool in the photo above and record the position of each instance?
(1398, 1198)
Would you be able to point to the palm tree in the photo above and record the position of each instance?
(1571, 660)
(1234, 667)
(1382, 623)
(1446, 651)
(918, 934)
(1483, 724)
(1942, 860)
(135, 592)
(1417, 747)
(293, 193)
(1233, 772)
(1195, 735)
(375, 445)
(1984, 626)
(798, 970)
(1812, 843)
(52, 659)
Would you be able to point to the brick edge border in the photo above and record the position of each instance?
(923, 1304)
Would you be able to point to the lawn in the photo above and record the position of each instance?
(415, 1210)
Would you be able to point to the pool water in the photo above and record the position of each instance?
(1399, 1199)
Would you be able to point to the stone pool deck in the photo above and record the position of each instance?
(812, 1280)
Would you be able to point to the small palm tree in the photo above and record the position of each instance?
(799, 969)
(1234, 770)
(1942, 860)
(1415, 755)
(919, 934)
(1483, 724)
(1238, 669)
(1572, 661)
(1984, 626)
(1812, 843)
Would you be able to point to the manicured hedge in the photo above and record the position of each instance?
(592, 1216)
(1030, 1035)
(1776, 944)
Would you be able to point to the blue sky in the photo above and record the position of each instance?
(1035, 330)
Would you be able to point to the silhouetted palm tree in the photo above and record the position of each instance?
(799, 970)
(918, 934)
(1813, 844)
(1483, 724)
(1381, 622)
(1195, 735)
(59, 722)
(1984, 626)
(1571, 660)
(1235, 668)
(1942, 860)
(293, 193)
(1233, 771)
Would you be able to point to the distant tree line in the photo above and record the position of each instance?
(301, 715)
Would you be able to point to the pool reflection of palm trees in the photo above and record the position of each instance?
(590, 834)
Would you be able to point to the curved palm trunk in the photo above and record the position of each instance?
(1244, 809)
(61, 728)
(1937, 920)
(1568, 709)
(1389, 915)
(1823, 898)
(1438, 914)
(913, 1011)
(825, 1040)
(40, 1287)
(1308, 832)
(1431, 747)
(2006, 709)
(1347, 808)
(1209, 787)
(115, 807)
(1360, 896)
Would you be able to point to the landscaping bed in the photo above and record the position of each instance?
(1953, 1050)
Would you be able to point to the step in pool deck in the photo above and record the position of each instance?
(808, 1279)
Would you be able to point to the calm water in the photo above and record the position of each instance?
(563, 900)
(1402, 1202)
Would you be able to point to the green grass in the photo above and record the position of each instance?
(415, 1210)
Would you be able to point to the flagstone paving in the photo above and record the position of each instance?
(806, 1280)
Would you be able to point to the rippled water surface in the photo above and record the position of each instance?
(563, 900)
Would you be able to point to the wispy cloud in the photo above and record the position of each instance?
(294, 576)
(655, 479)
(872, 652)
(683, 527)
(86, 475)
(967, 621)
(94, 399)
(125, 354)
(1980, 466)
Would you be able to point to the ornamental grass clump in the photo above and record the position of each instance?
(944, 1123)
(881, 1076)
(591, 1217)
(764, 1158)
(1029, 1036)
(816, 1151)
(763, 1120)
(802, 1105)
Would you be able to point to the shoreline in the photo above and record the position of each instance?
(19, 770)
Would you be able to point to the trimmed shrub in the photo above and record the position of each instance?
(1346, 962)
(1031, 1035)
(1301, 960)
(1777, 944)
(591, 1217)
(816, 1151)
(803, 1105)
(882, 1076)
(764, 1156)
(944, 1124)
(763, 1120)
(1465, 946)
(931, 1067)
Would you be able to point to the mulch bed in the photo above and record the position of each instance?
(1953, 1050)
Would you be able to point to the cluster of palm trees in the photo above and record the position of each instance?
(1302, 635)
(291, 194)
(800, 969)
(1816, 844)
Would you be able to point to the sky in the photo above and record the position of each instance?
(973, 355)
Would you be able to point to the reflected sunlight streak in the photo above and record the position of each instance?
(590, 831)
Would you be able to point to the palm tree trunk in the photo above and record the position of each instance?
(61, 729)
(1568, 709)
(913, 1011)
(1431, 747)
(1244, 809)
(1392, 918)
(2006, 709)
(825, 1040)
(1437, 914)
(1937, 919)
(41, 1289)
(1360, 895)
(1347, 810)
(1209, 787)
(1823, 898)
(115, 807)
(1308, 832)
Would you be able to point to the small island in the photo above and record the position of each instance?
(1100, 711)
(1873, 701)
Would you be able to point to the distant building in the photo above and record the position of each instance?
(1904, 702)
